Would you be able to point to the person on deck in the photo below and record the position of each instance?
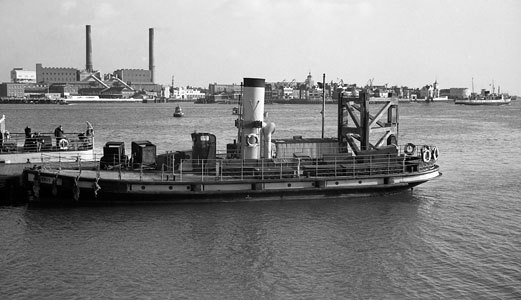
(59, 134)
(28, 132)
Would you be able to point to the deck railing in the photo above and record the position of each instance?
(344, 165)
(44, 142)
(225, 169)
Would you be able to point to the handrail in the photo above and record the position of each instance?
(370, 164)
(44, 142)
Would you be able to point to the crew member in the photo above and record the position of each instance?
(59, 134)
(27, 132)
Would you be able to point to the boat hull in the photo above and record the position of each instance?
(84, 188)
(45, 157)
(483, 101)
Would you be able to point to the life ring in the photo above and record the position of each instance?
(63, 144)
(252, 140)
(409, 148)
(426, 154)
(435, 153)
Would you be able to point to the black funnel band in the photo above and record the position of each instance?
(254, 82)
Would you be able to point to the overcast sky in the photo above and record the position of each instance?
(398, 42)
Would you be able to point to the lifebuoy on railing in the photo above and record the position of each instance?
(426, 154)
(435, 153)
(252, 140)
(409, 148)
(63, 144)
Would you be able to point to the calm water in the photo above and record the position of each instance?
(457, 237)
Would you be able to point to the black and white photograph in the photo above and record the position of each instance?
(260, 149)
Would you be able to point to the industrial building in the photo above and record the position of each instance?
(122, 83)
(19, 75)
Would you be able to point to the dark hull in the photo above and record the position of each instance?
(127, 192)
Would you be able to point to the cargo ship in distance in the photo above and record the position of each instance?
(254, 167)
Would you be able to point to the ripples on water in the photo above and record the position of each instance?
(455, 237)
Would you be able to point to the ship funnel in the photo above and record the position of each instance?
(151, 66)
(88, 64)
(253, 117)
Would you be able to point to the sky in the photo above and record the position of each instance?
(396, 42)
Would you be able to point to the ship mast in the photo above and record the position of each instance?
(323, 102)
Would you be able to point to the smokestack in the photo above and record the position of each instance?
(151, 53)
(88, 65)
(253, 117)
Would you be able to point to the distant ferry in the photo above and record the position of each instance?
(485, 100)
(96, 99)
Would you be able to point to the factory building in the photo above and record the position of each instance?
(19, 75)
(56, 75)
(121, 83)
(131, 76)
(11, 89)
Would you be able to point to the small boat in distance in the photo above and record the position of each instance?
(178, 112)
(235, 111)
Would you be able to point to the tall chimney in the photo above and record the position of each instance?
(151, 53)
(88, 65)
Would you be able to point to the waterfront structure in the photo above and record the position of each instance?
(131, 76)
(459, 93)
(56, 74)
(19, 75)
(10, 89)
(187, 94)
(223, 92)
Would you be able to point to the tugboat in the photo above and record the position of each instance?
(178, 112)
(254, 167)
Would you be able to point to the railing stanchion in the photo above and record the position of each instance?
(180, 169)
